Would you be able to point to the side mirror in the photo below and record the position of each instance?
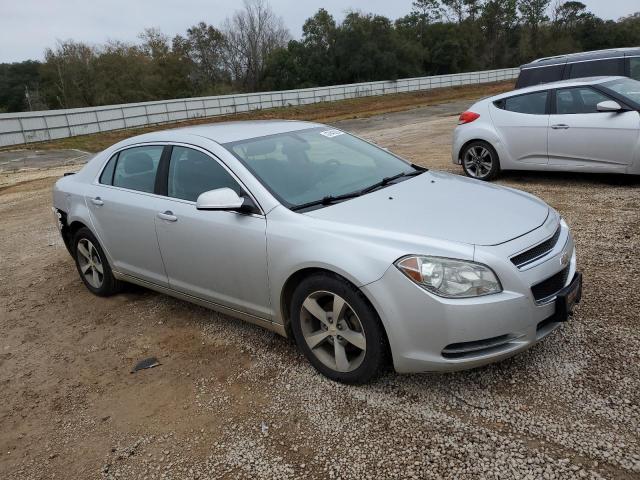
(609, 106)
(219, 199)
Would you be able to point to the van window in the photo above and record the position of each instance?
(531, 103)
(634, 68)
(536, 76)
(597, 68)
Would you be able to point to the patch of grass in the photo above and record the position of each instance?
(320, 112)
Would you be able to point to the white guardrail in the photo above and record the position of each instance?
(28, 127)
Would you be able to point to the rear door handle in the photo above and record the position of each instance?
(560, 126)
(168, 216)
(97, 201)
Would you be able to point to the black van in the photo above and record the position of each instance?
(621, 61)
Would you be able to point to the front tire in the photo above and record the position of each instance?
(92, 264)
(480, 161)
(338, 331)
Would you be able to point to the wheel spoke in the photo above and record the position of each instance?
(342, 362)
(83, 251)
(85, 268)
(311, 305)
(338, 308)
(317, 338)
(96, 278)
(98, 267)
(354, 338)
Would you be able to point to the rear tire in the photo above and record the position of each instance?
(92, 264)
(480, 161)
(338, 330)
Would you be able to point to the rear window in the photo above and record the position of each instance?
(597, 68)
(136, 168)
(536, 76)
(531, 103)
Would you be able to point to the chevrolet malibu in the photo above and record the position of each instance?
(358, 255)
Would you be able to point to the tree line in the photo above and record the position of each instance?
(253, 50)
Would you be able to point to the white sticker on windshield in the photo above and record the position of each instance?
(331, 133)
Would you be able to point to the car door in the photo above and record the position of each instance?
(219, 256)
(580, 136)
(123, 206)
(521, 122)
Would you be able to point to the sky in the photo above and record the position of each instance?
(27, 27)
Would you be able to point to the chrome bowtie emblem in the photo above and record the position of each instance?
(564, 258)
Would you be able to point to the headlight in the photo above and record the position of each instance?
(450, 278)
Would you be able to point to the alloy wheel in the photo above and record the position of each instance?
(478, 161)
(90, 263)
(333, 332)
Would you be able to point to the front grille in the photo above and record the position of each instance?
(536, 252)
(550, 286)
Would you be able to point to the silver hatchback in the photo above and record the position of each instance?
(356, 254)
(584, 125)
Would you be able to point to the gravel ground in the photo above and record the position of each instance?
(233, 401)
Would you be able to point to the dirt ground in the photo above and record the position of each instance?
(233, 401)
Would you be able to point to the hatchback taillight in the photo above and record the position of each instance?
(468, 117)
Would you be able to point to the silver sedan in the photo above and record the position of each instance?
(586, 125)
(359, 256)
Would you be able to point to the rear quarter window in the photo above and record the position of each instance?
(106, 178)
(536, 76)
(531, 103)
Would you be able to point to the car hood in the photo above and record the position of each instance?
(443, 206)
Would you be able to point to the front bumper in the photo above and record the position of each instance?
(430, 333)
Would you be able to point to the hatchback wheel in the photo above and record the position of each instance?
(337, 330)
(480, 160)
(92, 264)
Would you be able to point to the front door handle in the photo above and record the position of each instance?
(560, 126)
(168, 216)
(97, 201)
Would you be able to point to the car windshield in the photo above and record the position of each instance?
(626, 87)
(317, 165)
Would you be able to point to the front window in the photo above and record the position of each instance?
(192, 172)
(625, 87)
(306, 166)
(571, 101)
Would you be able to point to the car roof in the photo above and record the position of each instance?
(583, 57)
(224, 132)
(575, 82)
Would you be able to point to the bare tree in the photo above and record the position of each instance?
(251, 34)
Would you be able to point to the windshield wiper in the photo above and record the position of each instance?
(387, 180)
(331, 199)
(327, 200)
